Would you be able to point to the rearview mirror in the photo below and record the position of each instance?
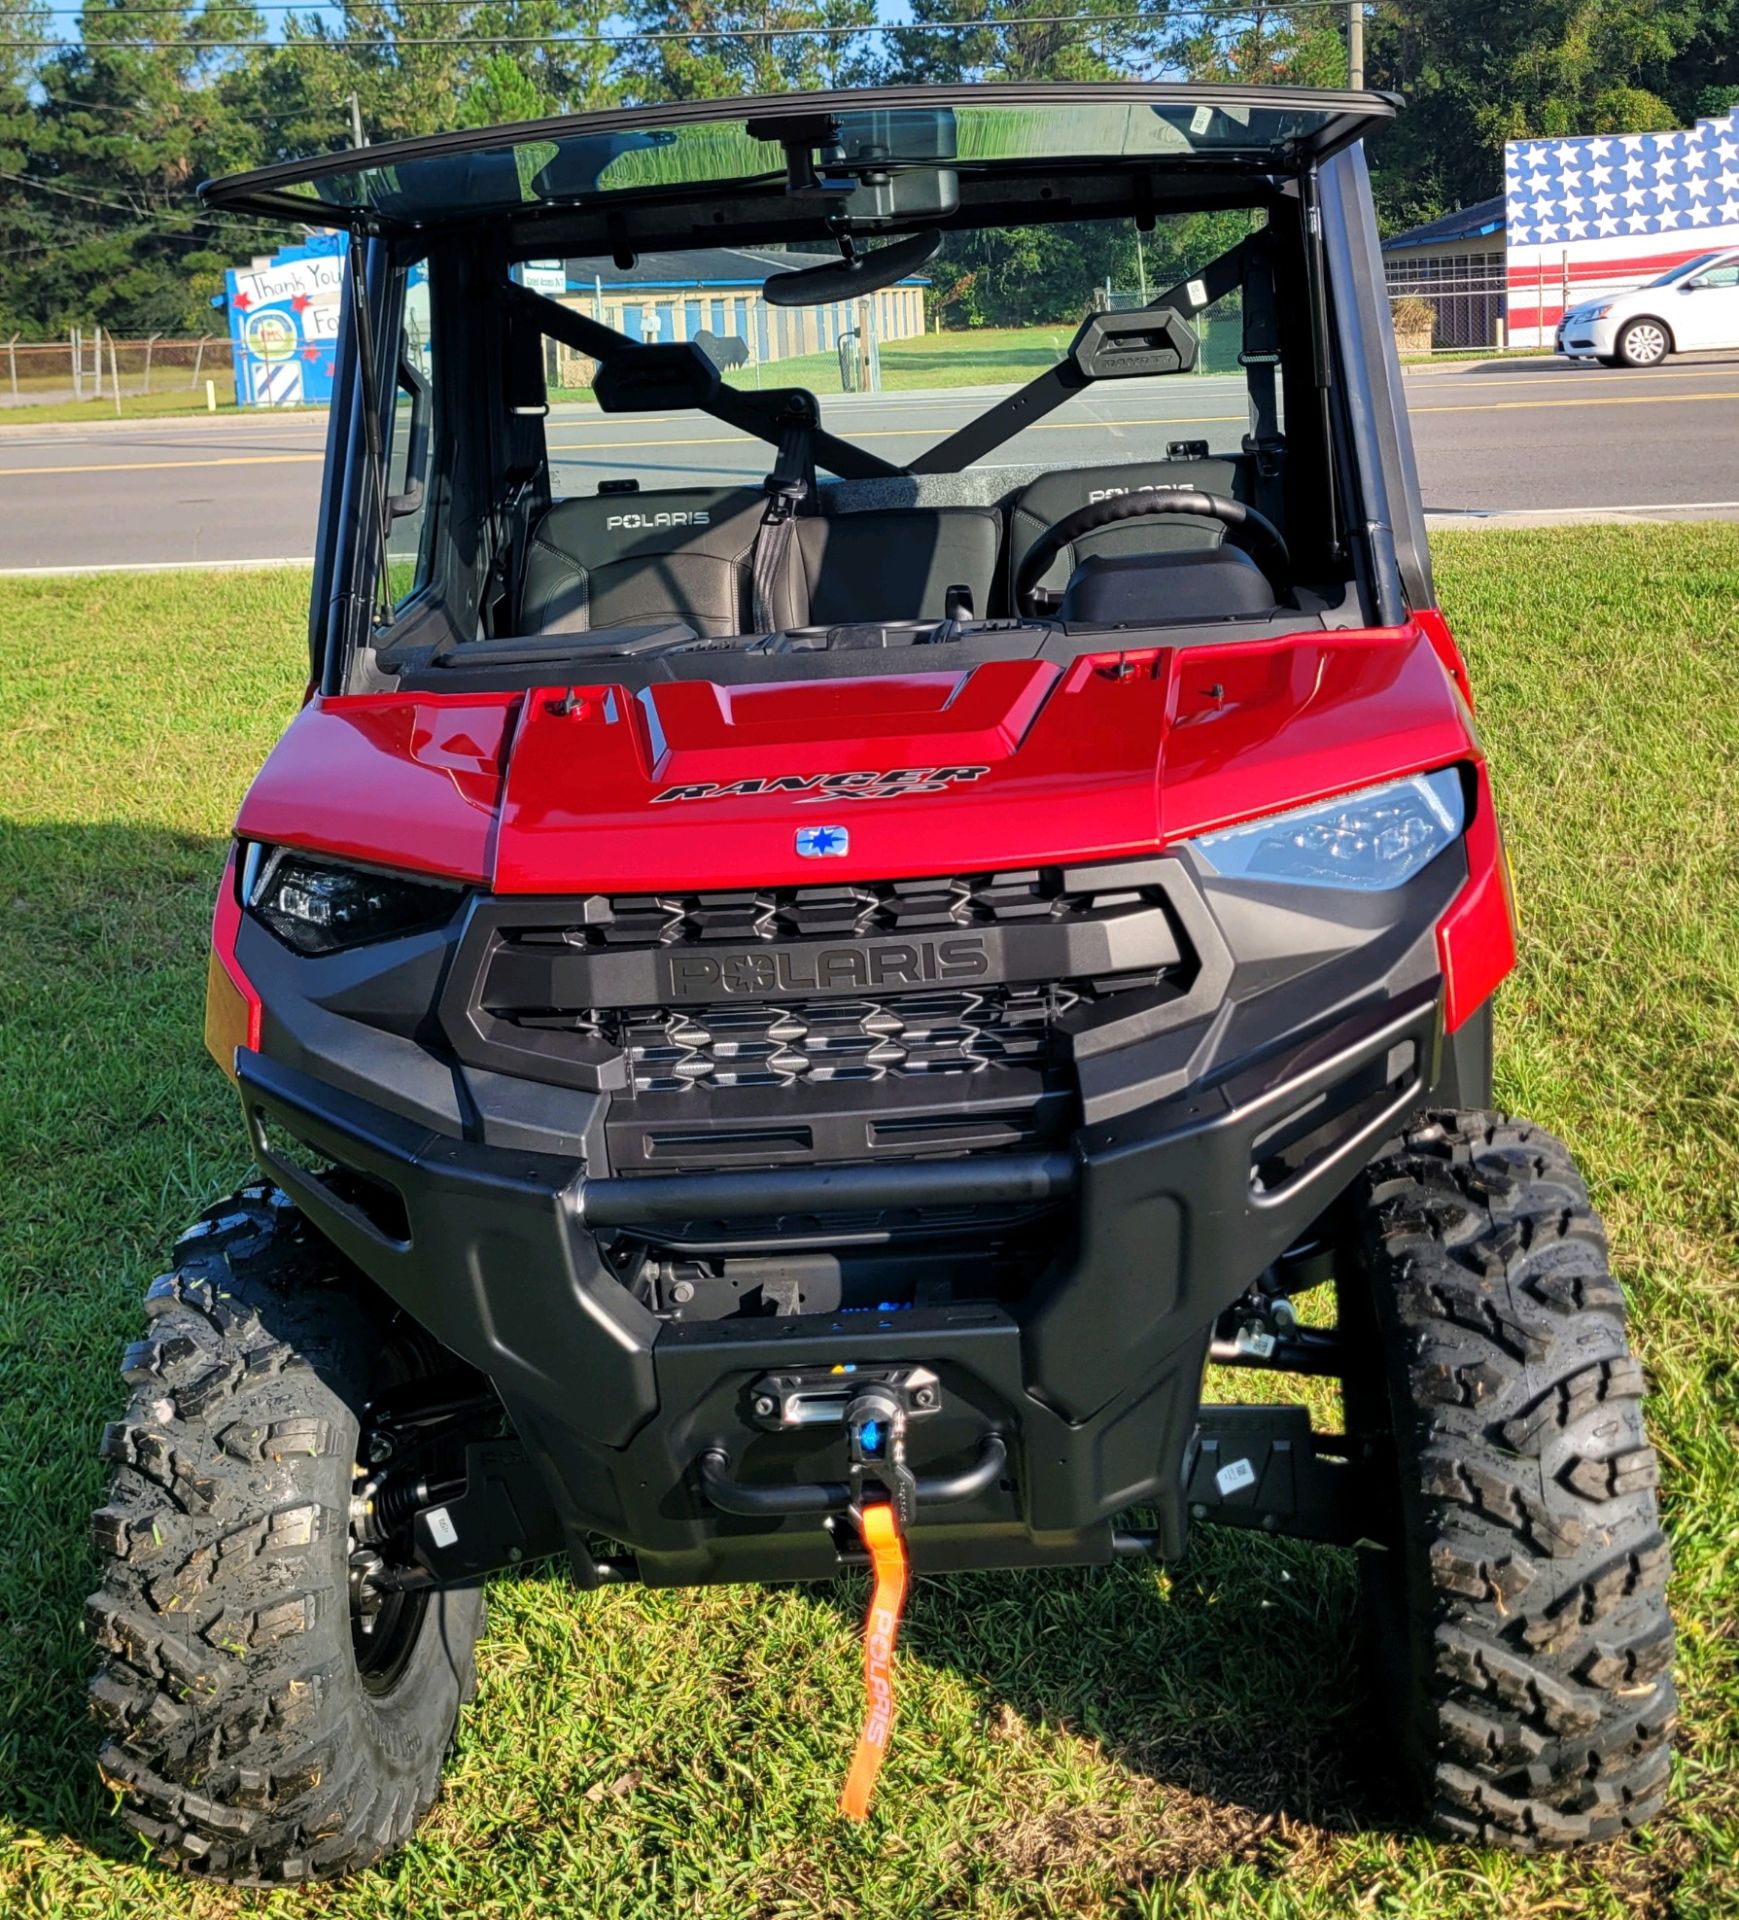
(847, 278)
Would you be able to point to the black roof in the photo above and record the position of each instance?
(669, 166)
(1478, 222)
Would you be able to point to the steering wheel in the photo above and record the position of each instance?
(1246, 529)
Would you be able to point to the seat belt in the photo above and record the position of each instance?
(1260, 359)
(791, 482)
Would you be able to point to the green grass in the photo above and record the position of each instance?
(983, 357)
(175, 404)
(1129, 1742)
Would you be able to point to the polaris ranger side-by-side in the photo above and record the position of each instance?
(805, 968)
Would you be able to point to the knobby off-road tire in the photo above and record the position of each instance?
(1519, 1635)
(246, 1739)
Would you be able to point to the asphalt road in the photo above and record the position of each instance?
(1504, 439)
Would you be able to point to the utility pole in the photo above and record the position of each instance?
(357, 137)
(1356, 44)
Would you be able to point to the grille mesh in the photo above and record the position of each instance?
(843, 912)
(840, 1041)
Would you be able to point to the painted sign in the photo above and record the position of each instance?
(283, 323)
(1591, 217)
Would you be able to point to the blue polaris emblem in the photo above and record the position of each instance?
(822, 843)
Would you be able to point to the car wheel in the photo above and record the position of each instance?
(1644, 343)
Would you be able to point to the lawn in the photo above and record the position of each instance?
(1131, 1742)
(178, 402)
(983, 357)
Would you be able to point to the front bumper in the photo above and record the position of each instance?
(1091, 1380)
(1588, 339)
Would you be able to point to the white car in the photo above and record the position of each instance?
(1689, 310)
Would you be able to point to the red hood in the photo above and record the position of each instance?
(1008, 765)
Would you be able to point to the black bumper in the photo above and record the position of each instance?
(1092, 1382)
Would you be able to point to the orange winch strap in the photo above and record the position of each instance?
(881, 1534)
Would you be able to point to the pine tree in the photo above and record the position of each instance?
(134, 114)
(764, 49)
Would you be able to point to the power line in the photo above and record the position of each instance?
(347, 42)
(232, 231)
(1202, 9)
(145, 113)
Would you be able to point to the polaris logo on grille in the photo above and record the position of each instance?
(789, 970)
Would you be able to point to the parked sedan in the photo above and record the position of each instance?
(1694, 307)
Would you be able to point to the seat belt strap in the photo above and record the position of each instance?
(887, 1551)
(1260, 359)
(791, 482)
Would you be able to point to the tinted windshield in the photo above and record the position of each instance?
(899, 371)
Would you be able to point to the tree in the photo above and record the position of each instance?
(764, 48)
(1481, 72)
(1023, 40)
(28, 229)
(1261, 46)
(133, 115)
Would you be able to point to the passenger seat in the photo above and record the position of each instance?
(631, 559)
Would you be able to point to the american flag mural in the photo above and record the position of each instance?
(1602, 215)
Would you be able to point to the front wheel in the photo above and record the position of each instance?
(1644, 343)
(1517, 1622)
(272, 1714)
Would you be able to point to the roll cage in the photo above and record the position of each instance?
(1314, 350)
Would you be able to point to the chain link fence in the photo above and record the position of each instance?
(94, 367)
(1455, 305)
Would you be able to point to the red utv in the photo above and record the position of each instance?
(805, 968)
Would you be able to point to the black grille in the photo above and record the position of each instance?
(849, 1023)
(618, 921)
(842, 1042)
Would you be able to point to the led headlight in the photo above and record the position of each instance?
(315, 905)
(1371, 841)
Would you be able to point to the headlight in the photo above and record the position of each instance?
(315, 905)
(1370, 841)
(1595, 313)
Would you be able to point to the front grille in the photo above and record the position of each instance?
(839, 1042)
(826, 1024)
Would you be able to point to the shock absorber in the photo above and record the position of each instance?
(386, 1506)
